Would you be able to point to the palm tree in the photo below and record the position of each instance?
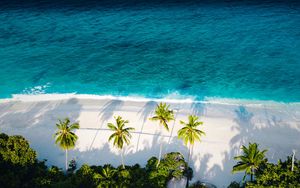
(65, 137)
(250, 160)
(189, 134)
(163, 115)
(120, 135)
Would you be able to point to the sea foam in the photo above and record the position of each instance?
(167, 99)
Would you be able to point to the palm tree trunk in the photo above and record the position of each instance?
(66, 165)
(122, 159)
(172, 128)
(251, 176)
(160, 147)
(138, 141)
(188, 163)
(160, 151)
(187, 182)
(293, 160)
(189, 154)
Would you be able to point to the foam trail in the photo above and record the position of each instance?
(167, 99)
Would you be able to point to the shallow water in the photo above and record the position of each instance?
(217, 49)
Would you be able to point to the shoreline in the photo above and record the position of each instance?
(135, 98)
(274, 126)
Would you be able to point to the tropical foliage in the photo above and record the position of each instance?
(278, 175)
(19, 167)
(163, 115)
(250, 161)
(25, 171)
(65, 137)
(121, 134)
(16, 150)
(171, 166)
(190, 134)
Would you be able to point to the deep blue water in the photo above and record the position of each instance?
(247, 50)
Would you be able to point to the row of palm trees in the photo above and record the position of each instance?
(249, 161)
(66, 138)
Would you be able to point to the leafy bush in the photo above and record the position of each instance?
(278, 175)
(19, 166)
(234, 184)
(171, 166)
(15, 150)
(200, 184)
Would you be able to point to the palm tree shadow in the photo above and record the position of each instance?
(145, 111)
(203, 165)
(244, 126)
(270, 131)
(109, 109)
(243, 115)
(198, 108)
(176, 145)
(36, 122)
(105, 114)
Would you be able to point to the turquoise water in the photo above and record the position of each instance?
(218, 49)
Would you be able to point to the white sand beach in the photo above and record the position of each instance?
(275, 126)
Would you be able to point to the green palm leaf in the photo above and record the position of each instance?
(163, 115)
(121, 134)
(189, 133)
(64, 137)
(250, 161)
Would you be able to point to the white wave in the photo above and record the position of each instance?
(40, 89)
(172, 98)
(49, 97)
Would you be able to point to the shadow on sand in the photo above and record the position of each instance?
(37, 124)
(269, 132)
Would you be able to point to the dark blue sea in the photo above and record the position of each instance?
(152, 49)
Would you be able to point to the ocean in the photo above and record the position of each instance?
(160, 49)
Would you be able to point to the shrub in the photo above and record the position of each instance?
(19, 167)
(171, 166)
(234, 184)
(278, 175)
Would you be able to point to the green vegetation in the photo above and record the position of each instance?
(16, 150)
(278, 175)
(120, 135)
(19, 168)
(163, 115)
(64, 136)
(283, 174)
(189, 134)
(171, 166)
(250, 161)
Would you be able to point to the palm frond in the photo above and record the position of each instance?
(121, 133)
(250, 159)
(163, 115)
(189, 133)
(64, 136)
